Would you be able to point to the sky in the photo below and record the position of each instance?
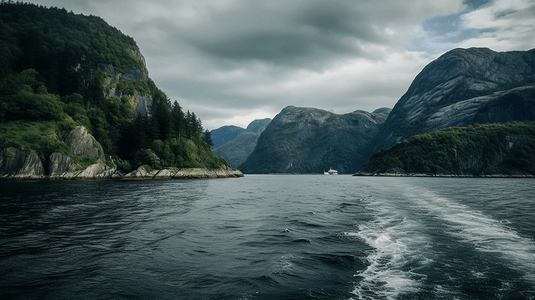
(234, 61)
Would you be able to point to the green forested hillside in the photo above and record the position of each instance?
(55, 69)
(474, 150)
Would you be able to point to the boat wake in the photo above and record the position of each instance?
(430, 245)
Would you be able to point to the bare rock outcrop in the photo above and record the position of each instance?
(165, 174)
(223, 172)
(60, 166)
(97, 171)
(84, 144)
(140, 101)
(140, 173)
(15, 164)
(191, 173)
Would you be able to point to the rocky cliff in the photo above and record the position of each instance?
(310, 140)
(139, 98)
(462, 87)
(84, 144)
(239, 148)
(64, 71)
(16, 164)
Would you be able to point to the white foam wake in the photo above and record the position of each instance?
(400, 241)
(488, 235)
(398, 252)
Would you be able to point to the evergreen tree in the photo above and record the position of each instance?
(207, 138)
(177, 120)
(56, 68)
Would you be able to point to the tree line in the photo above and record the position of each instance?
(52, 70)
(507, 148)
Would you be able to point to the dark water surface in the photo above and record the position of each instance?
(269, 237)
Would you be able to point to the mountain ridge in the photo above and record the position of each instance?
(309, 140)
(242, 145)
(460, 88)
(466, 81)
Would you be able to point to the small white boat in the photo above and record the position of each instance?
(331, 172)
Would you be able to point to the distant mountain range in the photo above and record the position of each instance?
(460, 88)
(310, 140)
(235, 144)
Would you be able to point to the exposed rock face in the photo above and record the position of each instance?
(142, 105)
(462, 87)
(140, 173)
(84, 144)
(309, 140)
(223, 172)
(199, 173)
(134, 74)
(61, 166)
(96, 171)
(238, 149)
(15, 164)
(141, 102)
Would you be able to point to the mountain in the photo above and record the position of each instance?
(310, 140)
(72, 86)
(224, 134)
(240, 147)
(507, 149)
(463, 87)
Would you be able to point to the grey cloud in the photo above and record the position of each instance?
(226, 59)
(303, 34)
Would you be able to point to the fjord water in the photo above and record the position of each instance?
(269, 237)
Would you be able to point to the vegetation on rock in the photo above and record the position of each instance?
(56, 68)
(478, 149)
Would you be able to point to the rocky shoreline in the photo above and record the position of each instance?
(98, 171)
(15, 164)
(443, 175)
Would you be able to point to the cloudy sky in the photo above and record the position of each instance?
(233, 61)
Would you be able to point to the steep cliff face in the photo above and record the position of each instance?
(238, 149)
(140, 98)
(462, 87)
(309, 140)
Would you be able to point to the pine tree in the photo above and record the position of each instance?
(207, 138)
